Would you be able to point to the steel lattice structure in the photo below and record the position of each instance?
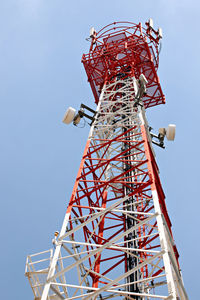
(116, 239)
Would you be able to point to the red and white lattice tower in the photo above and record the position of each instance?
(116, 239)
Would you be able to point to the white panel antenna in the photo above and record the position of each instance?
(92, 32)
(160, 33)
(151, 22)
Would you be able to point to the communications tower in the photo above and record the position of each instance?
(116, 239)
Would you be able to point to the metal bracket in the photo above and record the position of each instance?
(81, 113)
(160, 138)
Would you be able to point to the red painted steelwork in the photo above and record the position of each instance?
(90, 193)
(119, 51)
(124, 49)
(116, 236)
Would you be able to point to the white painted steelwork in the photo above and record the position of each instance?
(71, 265)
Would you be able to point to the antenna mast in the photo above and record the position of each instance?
(116, 239)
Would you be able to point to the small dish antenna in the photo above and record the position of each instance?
(170, 132)
(74, 116)
(69, 115)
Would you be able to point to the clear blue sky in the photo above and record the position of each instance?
(41, 44)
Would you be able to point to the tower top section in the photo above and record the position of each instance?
(121, 50)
